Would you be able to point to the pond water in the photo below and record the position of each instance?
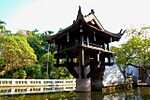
(140, 93)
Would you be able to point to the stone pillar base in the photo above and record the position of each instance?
(83, 85)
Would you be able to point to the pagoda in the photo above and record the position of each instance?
(83, 48)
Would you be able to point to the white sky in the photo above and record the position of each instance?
(54, 14)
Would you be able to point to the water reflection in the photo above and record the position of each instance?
(33, 90)
(140, 93)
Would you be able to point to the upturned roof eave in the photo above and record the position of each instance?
(77, 24)
(114, 35)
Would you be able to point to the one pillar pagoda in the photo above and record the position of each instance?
(83, 48)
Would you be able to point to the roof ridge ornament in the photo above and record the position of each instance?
(79, 11)
(92, 11)
(79, 16)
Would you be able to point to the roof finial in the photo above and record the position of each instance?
(79, 10)
(79, 16)
(92, 11)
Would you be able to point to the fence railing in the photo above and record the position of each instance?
(30, 86)
(36, 82)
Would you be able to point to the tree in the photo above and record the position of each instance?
(2, 26)
(16, 52)
(38, 42)
(3, 30)
(136, 49)
(34, 71)
(44, 60)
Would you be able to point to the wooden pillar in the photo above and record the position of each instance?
(82, 63)
(98, 59)
(103, 46)
(111, 39)
(87, 40)
(96, 78)
(82, 39)
(94, 36)
(108, 46)
(83, 84)
(67, 36)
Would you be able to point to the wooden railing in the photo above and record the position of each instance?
(30, 86)
(36, 82)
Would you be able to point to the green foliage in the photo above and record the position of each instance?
(44, 59)
(38, 42)
(2, 26)
(60, 73)
(15, 52)
(60, 30)
(20, 74)
(3, 30)
(135, 50)
(16, 73)
(47, 64)
(30, 72)
(34, 71)
(25, 55)
(1, 61)
(53, 72)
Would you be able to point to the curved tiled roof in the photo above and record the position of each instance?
(89, 21)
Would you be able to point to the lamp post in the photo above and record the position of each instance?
(48, 60)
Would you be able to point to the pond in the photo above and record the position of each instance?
(139, 93)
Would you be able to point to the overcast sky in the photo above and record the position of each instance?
(54, 14)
